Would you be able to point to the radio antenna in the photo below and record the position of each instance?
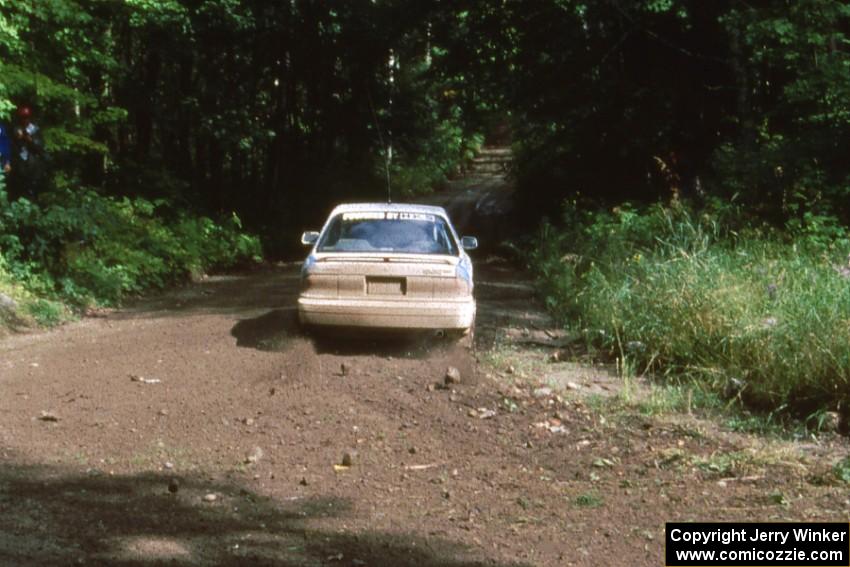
(387, 147)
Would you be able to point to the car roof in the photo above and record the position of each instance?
(388, 207)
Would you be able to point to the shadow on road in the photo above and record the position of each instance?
(372, 342)
(271, 331)
(271, 287)
(53, 517)
(276, 330)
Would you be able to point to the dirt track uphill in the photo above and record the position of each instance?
(201, 428)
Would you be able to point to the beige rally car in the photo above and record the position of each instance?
(388, 266)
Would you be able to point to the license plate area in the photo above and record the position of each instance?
(386, 286)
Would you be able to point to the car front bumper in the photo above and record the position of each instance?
(384, 313)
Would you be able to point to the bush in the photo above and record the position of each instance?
(85, 248)
(756, 311)
(443, 156)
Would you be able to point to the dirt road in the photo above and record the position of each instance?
(200, 428)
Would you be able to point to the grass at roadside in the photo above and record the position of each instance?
(743, 312)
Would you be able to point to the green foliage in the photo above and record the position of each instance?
(288, 114)
(750, 313)
(654, 98)
(589, 500)
(431, 140)
(607, 99)
(842, 469)
(89, 238)
(785, 159)
(46, 312)
(442, 157)
(86, 248)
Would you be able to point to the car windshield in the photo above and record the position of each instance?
(388, 231)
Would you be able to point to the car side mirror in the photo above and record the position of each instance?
(469, 243)
(309, 238)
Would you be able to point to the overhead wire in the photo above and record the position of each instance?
(388, 149)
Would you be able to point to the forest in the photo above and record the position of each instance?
(698, 148)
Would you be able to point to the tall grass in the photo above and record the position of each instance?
(753, 311)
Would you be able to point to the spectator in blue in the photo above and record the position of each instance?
(5, 149)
